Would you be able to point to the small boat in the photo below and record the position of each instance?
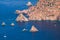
(3, 24)
(33, 29)
(12, 24)
(29, 4)
(24, 29)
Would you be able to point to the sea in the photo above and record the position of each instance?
(48, 30)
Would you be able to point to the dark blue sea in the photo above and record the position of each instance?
(48, 30)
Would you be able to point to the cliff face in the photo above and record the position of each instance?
(45, 10)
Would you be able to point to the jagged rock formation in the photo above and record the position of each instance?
(21, 18)
(43, 10)
(34, 29)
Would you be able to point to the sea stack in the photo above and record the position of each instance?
(21, 17)
(24, 29)
(12, 24)
(33, 29)
(29, 4)
(3, 24)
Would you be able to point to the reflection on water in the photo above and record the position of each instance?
(41, 24)
(48, 30)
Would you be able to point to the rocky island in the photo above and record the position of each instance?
(43, 10)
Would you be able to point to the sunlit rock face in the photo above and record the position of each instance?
(44, 10)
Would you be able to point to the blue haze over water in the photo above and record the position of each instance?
(47, 30)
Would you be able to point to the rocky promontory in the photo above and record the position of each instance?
(43, 10)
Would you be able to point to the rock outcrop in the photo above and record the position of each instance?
(43, 10)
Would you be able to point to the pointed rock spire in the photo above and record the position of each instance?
(34, 29)
(21, 17)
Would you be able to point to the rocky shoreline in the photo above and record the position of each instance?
(43, 10)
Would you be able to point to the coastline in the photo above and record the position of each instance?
(42, 11)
